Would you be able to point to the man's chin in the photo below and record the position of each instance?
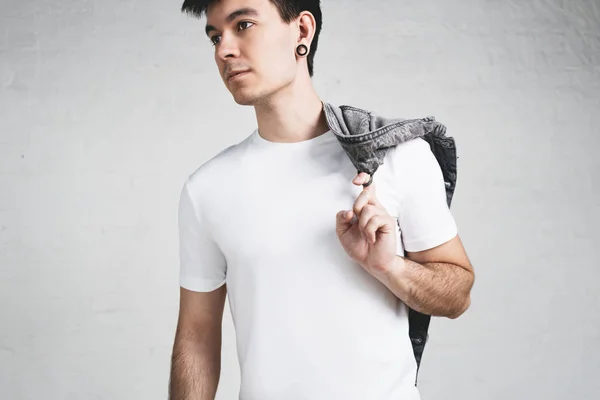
(245, 99)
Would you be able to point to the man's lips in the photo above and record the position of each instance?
(235, 74)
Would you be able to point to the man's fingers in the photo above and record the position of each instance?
(343, 221)
(367, 196)
(362, 179)
(360, 202)
(344, 216)
(368, 212)
(372, 220)
(376, 223)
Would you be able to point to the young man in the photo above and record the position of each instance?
(311, 259)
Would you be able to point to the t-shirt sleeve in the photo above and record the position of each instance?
(424, 218)
(202, 264)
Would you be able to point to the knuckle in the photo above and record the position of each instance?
(370, 210)
(362, 224)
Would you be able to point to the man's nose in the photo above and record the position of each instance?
(228, 47)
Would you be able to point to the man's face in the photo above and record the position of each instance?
(250, 36)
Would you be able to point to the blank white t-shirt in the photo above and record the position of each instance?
(310, 322)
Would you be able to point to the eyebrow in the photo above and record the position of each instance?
(233, 16)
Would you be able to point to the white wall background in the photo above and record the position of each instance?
(107, 106)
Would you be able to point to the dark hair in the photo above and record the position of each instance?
(288, 10)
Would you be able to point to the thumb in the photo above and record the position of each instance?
(343, 222)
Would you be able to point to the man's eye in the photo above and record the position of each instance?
(215, 39)
(245, 25)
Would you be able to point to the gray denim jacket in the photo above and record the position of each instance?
(366, 137)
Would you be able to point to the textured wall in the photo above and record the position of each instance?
(106, 107)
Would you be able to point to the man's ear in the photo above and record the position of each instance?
(306, 28)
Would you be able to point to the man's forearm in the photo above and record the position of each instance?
(437, 289)
(195, 371)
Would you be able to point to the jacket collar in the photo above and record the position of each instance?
(366, 136)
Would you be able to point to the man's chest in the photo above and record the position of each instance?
(279, 218)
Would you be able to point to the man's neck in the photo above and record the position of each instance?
(294, 115)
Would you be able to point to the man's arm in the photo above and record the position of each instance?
(196, 359)
(435, 282)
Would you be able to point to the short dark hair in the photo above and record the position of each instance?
(288, 10)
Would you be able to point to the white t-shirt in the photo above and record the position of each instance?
(310, 322)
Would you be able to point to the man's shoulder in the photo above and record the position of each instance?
(410, 166)
(219, 165)
(410, 154)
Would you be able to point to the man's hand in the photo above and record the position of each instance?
(439, 280)
(367, 232)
